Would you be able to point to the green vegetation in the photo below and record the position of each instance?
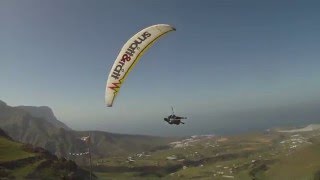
(267, 155)
(303, 164)
(19, 161)
(119, 176)
(251, 156)
(21, 173)
(10, 150)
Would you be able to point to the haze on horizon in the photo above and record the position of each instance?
(231, 66)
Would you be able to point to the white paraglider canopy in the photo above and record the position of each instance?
(129, 55)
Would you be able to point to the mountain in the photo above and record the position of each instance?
(34, 125)
(45, 113)
(2, 103)
(24, 161)
(23, 127)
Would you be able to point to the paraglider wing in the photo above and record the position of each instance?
(129, 55)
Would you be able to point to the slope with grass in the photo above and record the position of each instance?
(302, 164)
(22, 161)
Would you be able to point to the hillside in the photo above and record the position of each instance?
(272, 154)
(22, 161)
(33, 125)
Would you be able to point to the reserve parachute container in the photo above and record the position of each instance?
(129, 55)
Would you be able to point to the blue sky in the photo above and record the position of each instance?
(231, 66)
